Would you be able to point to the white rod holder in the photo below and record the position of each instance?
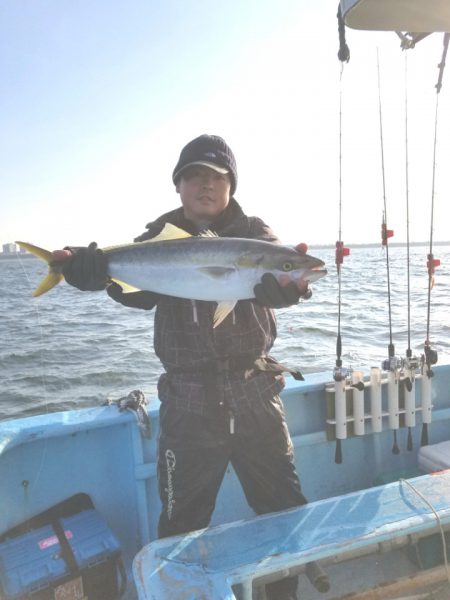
(426, 395)
(375, 399)
(410, 400)
(358, 403)
(340, 409)
(393, 399)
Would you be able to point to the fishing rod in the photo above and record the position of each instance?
(395, 366)
(392, 363)
(411, 362)
(430, 357)
(340, 373)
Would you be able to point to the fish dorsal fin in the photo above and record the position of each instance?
(170, 232)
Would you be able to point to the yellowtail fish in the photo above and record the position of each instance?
(204, 267)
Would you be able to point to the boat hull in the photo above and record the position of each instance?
(101, 452)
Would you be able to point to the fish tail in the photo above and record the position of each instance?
(54, 275)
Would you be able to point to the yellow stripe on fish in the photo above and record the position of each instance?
(204, 267)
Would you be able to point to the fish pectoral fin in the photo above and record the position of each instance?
(126, 288)
(222, 311)
(216, 272)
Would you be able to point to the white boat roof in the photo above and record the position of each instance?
(397, 15)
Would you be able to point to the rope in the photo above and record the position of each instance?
(438, 519)
(344, 52)
(135, 402)
(442, 63)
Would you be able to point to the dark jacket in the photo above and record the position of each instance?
(205, 365)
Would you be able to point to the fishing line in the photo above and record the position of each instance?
(339, 374)
(409, 362)
(432, 263)
(438, 519)
(338, 264)
(408, 278)
(385, 231)
(35, 307)
(430, 355)
(40, 329)
(430, 255)
(338, 370)
(391, 363)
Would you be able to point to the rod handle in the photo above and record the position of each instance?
(424, 438)
(409, 445)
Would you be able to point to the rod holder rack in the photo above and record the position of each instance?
(367, 416)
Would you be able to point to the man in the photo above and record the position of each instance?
(217, 404)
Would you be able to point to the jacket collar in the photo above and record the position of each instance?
(232, 212)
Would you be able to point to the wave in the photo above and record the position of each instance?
(69, 349)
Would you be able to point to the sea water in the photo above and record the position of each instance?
(70, 349)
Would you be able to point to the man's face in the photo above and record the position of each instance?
(204, 193)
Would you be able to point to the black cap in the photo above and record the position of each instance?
(210, 151)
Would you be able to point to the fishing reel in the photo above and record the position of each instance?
(429, 358)
(393, 363)
(410, 366)
(431, 355)
(412, 363)
(344, 374)
(341, 373)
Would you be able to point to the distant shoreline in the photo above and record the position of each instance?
(378, 244)
(4, 256)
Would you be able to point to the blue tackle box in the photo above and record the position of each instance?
(46, 564)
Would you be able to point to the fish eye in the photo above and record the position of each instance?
(287, 266)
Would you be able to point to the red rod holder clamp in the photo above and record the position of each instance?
(432, 263)
(341, 251)
(386, 234)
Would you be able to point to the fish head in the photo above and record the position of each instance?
(284, 263)
(297, 265)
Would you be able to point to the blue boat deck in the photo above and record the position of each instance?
(211, 561)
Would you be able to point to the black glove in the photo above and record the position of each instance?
(273, 295)
(86, 269)
(141, 299)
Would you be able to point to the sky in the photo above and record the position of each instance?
(97, 98)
